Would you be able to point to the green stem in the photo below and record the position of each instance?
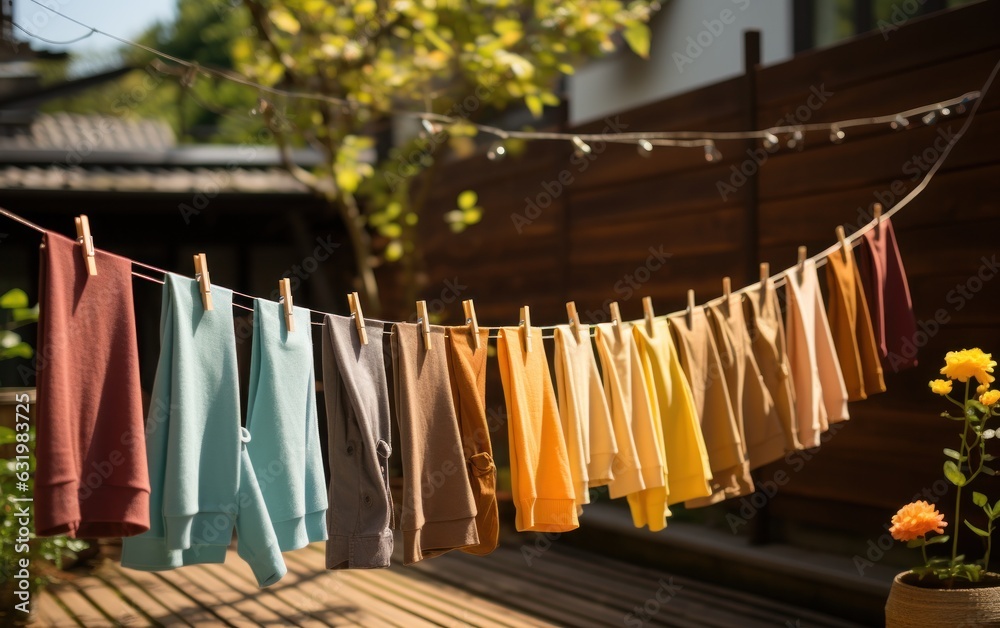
(958, 489)
(923, 550)
(989, 546)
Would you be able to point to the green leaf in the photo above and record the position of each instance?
(953, 418)
(20, 350)
(978, 531)
(637, 36)
(15, 298)
(534, 104)
(467, 199)
(25, 314)
(953, 475)
(394, 251)
(988, 471)
(917, 542)
(978, 406)
(391, 230)
(979, 499)
(951, 453)
(7, 435)
(934, 540)
(472, 215)
(285, 21)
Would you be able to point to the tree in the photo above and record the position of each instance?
(460, 58)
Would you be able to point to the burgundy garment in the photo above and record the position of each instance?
(888, 295)
(91, 478)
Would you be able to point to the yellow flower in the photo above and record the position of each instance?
(940, 386)
(968, 363)
(982, 389)
(990, 397)
(915, 520)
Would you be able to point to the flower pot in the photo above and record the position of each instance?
(912, 605)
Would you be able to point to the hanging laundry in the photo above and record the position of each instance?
(359, 517)
(851, 325)
(91, 478)
(439, 509)
(756, 415)
(541, 483)
(467, 367)
(770, 351)
(583, 408)
(703, 368)
(284, 442)
(640, 472)
(820, 393)
(689, 472)
(203, 483)
(888, 294)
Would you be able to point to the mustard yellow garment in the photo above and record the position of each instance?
(539, 466)
(641, 477)
(687, 458)
(583, 408)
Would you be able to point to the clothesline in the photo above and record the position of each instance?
(820, 259)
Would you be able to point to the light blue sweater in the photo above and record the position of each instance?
(201, 479)
(281, 417)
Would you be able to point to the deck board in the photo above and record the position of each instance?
(563, 586)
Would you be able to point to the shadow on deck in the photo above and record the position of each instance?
(511, 587)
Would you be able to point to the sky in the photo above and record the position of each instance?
(125, 18)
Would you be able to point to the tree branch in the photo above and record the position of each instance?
(313, 183)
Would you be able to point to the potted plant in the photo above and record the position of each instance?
(952, 590)
(45, 555)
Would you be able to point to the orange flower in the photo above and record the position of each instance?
(990, 397)
(915, 520)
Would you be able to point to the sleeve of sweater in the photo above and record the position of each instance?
(257, 543)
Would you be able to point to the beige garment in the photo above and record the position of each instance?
(700, 360)
(632, 416)
(583, 408)
(770, 351)
(820, 392)
(756, 414)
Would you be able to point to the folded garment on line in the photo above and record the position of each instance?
(202, 481)
(91, 478)
(359, 517)
(281, 416)
(467, 366)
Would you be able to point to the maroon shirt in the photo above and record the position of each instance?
(91, 478)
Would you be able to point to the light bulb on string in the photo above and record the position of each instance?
(497, 152)
(582, 148)
(795, 141)
(900, 122)
(770, 140)
(960, 107)
(429, 127)
(945, 111)
(645, 148)
(836, 135)
(712, 153)
(929, 118)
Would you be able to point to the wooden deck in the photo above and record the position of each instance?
(560, 586)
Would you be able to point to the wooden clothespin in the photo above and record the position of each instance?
(727, 288)
(285, 288)
(844, 246)
(359, 318)
(201, 275)
(526, 327)
(470, 320)
(616, 319)
(86, 243)
(647, 312)
(877, 211)
(802, 259)
(690, 309)
(425, 323)
(574, 318)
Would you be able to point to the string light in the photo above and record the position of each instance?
(929, 118)
(836, 135)
(497, 152)
(795, 141)
(582, 148)
(712, 153)
(900, 122)
(645, 148)
(770, 140)
(429, 126)
(945, 111)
